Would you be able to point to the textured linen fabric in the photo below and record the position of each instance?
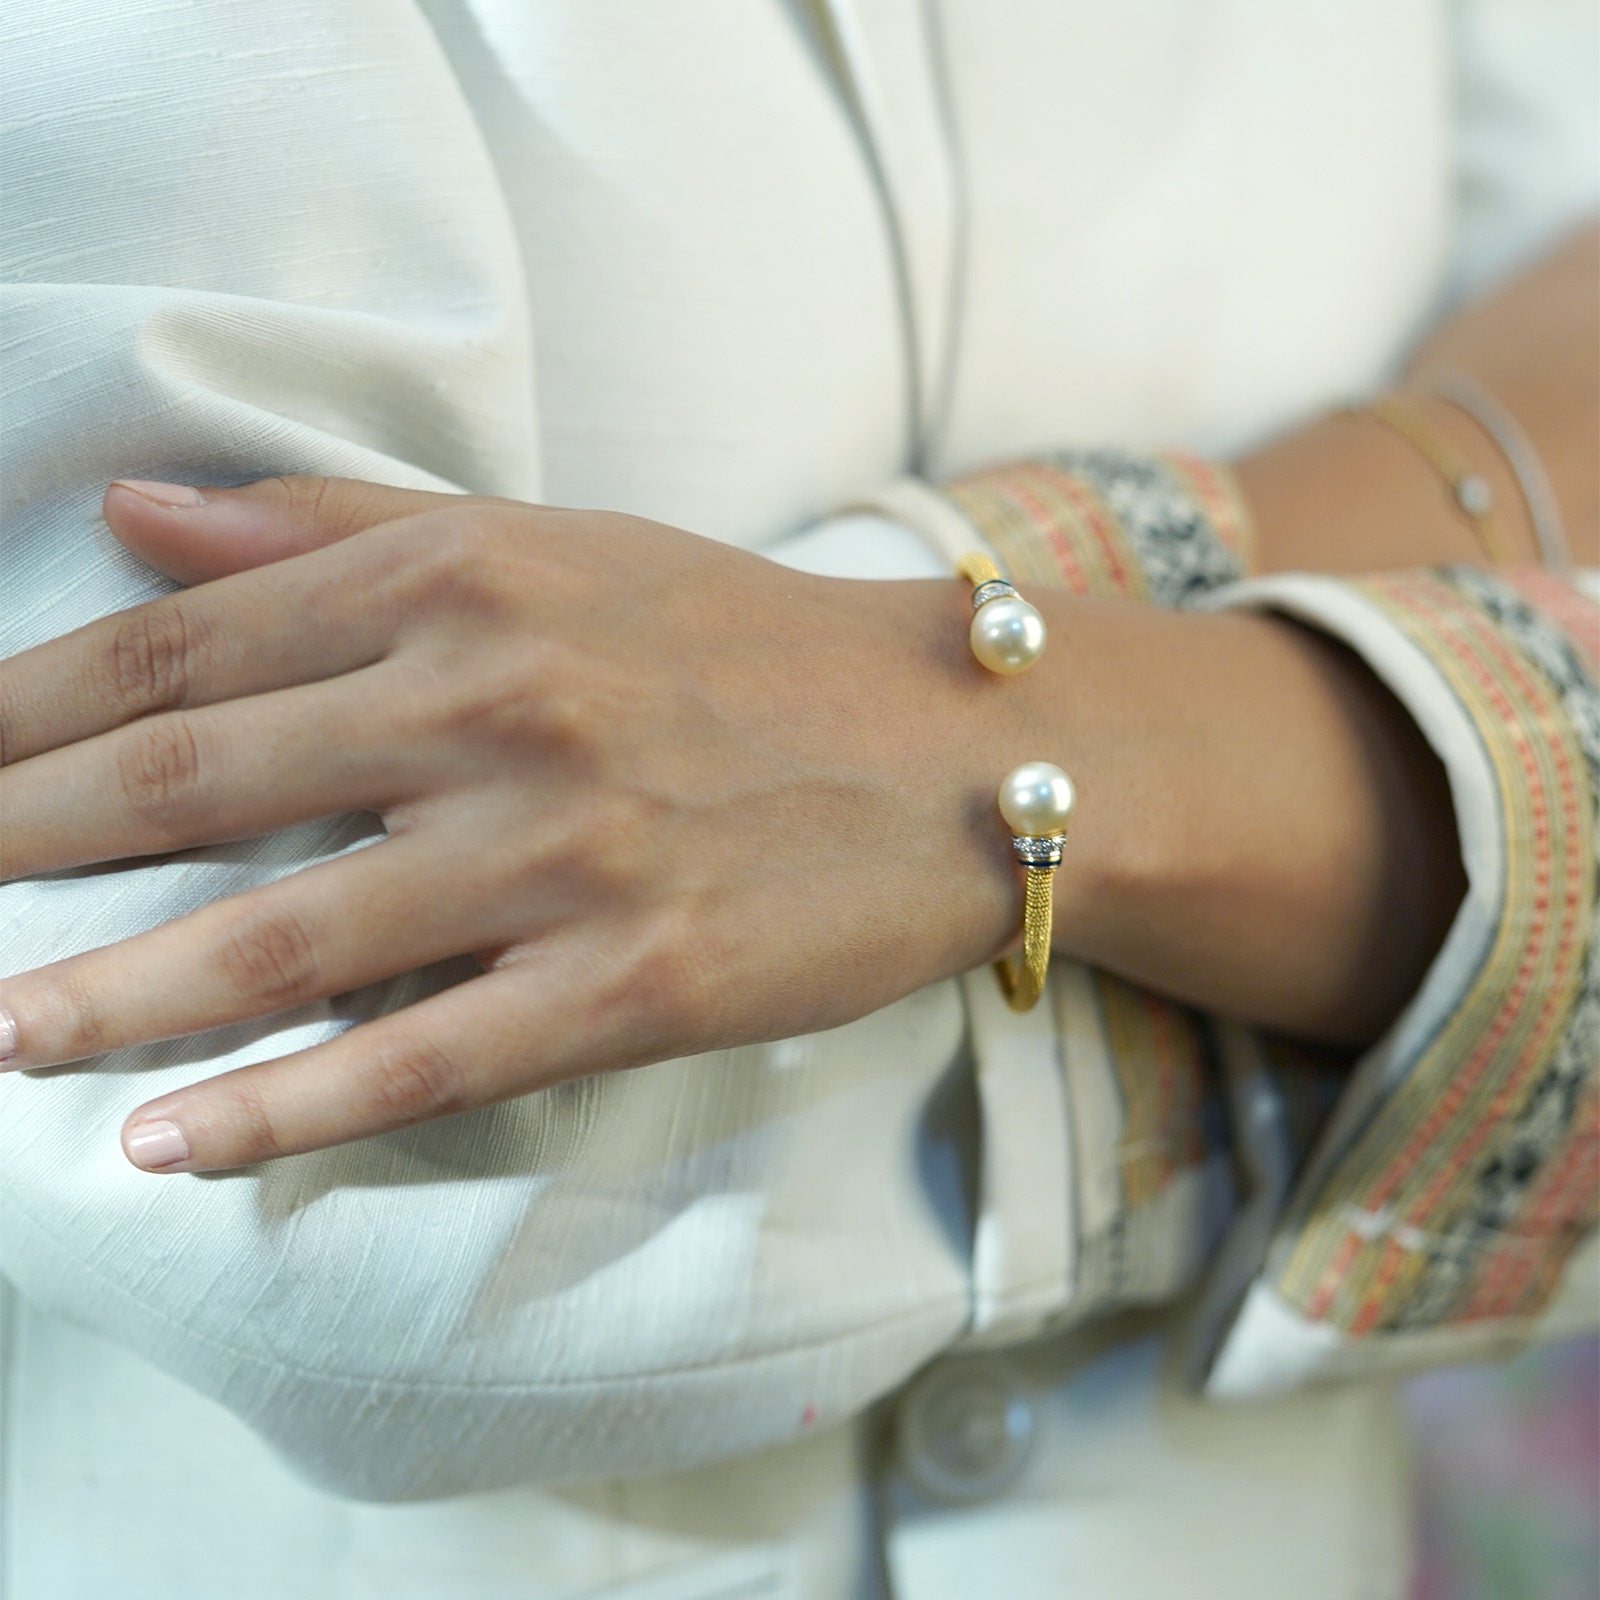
(462, 1304)
(665, 259)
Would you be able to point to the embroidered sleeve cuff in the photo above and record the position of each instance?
(1447, 1206)
(1163, 529)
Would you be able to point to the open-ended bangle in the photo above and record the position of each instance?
(1007, 635)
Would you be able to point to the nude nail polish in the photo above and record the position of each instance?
(169, 495)
(156, 1146)
(8, 1037)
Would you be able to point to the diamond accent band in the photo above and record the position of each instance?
(985, 592)
(1038, 852)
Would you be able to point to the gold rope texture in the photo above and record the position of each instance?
(1022, 982)
(976, 569)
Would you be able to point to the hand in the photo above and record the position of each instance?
(675, 796)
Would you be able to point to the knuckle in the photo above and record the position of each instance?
(570, 707)
(479, 704)
(674, 983)
(10, 726)
(315, 496)
(595, 855)
(79, 1024)
(417, 1081)
(159, 766)
(579, 702)
(303, 497)
(521, 698)
(258, 1134)
(611, 838)
(458, 560)
(150, 658)
(338, 506)
(270, 958)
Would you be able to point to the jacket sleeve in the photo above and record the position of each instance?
(1437, 1199)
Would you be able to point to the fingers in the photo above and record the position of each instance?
(390, 908)
(291, 623)
(204, 777)
(197, 534)
(519, 1028)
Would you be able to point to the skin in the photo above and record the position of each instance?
(600, 772)
(1344, 495)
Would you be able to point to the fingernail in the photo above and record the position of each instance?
(8, 1037)
(162, 494)
(156, 1146)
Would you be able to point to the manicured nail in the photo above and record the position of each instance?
(162, 494)
(156, 1146)
(8, 1037)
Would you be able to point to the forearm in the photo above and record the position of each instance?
(1263, 830)
(1346, 494)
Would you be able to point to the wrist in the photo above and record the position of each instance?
(1260, 829)
(1129, 701)
(1346, 493)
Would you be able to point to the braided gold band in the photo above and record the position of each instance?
(1022, 980)
(978, 570)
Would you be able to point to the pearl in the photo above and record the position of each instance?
(1007, 634)
(1474, 495)
(1036, 799)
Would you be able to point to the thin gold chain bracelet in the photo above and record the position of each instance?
(1007, 635)
(1469, 489)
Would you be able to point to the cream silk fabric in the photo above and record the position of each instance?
(694, 259)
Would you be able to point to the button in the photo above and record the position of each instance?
(964, 1430)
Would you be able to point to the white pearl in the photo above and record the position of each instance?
(1007, 634)
(1036, 799)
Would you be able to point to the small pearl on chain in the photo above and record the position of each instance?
(1007, 634)
(1036, 799)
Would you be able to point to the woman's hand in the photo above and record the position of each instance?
(674, 796)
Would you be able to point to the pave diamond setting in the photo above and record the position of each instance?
(1044, 851)
(992, 590)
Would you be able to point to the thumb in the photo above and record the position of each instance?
(197, 534)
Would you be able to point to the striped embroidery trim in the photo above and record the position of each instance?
(1147, 1104)
(1217, 490)
(1048, 527)
(1147, 528)
(1407, 1184)
(1523, 1268)
(1561, 603)
(1158, 1053)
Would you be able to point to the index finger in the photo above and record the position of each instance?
(309, 617)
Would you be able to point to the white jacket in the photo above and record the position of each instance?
(731, 264)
